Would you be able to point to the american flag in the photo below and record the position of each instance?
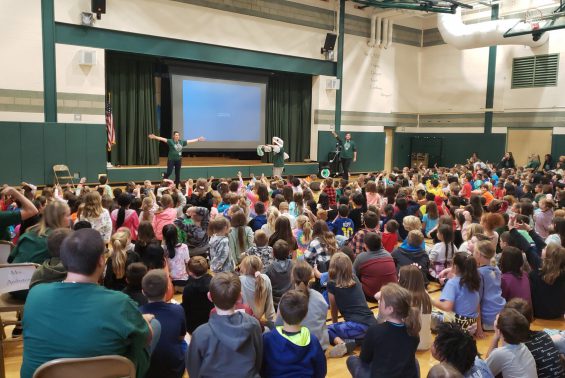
(110, 126)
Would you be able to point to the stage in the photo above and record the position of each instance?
(195, 167)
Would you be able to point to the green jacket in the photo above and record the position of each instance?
(31, 248)
(52, 270)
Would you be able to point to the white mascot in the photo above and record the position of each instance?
(279, 155)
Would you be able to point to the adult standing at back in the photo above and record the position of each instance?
(174, 158)
(348, 153)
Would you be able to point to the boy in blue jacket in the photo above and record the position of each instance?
(291, 350)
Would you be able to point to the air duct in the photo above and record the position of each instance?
(375, 31)
(455, 33)
(389, 39)
(385, 33)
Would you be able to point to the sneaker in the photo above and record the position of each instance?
(342, 349)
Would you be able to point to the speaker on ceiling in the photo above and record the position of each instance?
(98, 7)
(329, 43)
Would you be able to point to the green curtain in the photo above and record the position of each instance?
(132, 89)
(289, 108)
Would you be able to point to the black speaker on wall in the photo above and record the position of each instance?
(98, 7)
(329, 43)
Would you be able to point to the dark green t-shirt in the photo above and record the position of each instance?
(348, 148)
(175, 149)
(7, 219)
(278, 158)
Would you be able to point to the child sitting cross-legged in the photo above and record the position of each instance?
(167, 360)
(290, 349)
(230, 344)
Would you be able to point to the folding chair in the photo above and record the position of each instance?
(13, 277)
(62, 175)
(93, 367)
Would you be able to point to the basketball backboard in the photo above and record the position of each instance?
(537, 26)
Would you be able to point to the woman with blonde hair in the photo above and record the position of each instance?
(32, 245)
(166, 214)
(120, 258)
(256, 289)
(96, 215)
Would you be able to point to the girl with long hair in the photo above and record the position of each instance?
(322, 246)
(490, 222)
(548, 284)
(124, 216)
(283, 231)
(166, 214)
(558, 235)
(389, 348)
(346, 295)
(460, 295)
(430, 219)
(240, 236)
(514, 281)
(476, 208)
(442, 253)
(256, 289)
(120, 258)
(272, 216)
(177, 255)
(148, 208)
(32, 245)
(96, 215)
(303, 234)
(410, 278)
(296, 206)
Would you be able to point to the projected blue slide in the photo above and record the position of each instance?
(221, 111)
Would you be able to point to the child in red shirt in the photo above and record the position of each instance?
(390, 236)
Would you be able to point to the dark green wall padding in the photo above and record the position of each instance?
(370, 149)
(557, 146)
(30, 150)
(456, 149)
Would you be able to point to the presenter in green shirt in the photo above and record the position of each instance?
(348, 153)
(174, 159)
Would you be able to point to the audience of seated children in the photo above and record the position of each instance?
(491, 292)
(120, 258)
(375, 267)
(346, 296)
(412, 252)
(389, 348)
(220, 256)
(460, 295)
(256, 289)
(195, 301)
(231, 342)
(507, 353)
(514, 282)
(315, 319)
(52, 269)
(390, 235)
(291, 350)
(279, 271)
(82, 310)
(371, 224)
(548, 284)
(177, 255)
(540, 344)
(410, 278)
(168, 357)
(456, 346)
(134, 275)
(240, 236)
(442, 253)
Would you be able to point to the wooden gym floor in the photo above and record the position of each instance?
(336, 367)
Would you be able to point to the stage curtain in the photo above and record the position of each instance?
(131, 85)
(289, 108)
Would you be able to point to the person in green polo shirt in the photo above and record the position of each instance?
(348, 153)
(174, 158)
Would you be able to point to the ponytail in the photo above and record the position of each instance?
(121, 217)
(412, 321)
(301, 275)
(260, 291)
(119, 254)
(252, 266)
(467, 268)
(303, 288)
(241, 237)
(124, 201)
(307, 232)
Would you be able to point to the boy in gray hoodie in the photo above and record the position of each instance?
(230, 344)
(279, 271)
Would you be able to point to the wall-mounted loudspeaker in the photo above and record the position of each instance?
(98, 7)
(87, 58)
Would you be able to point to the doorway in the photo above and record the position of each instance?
(525, 142)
